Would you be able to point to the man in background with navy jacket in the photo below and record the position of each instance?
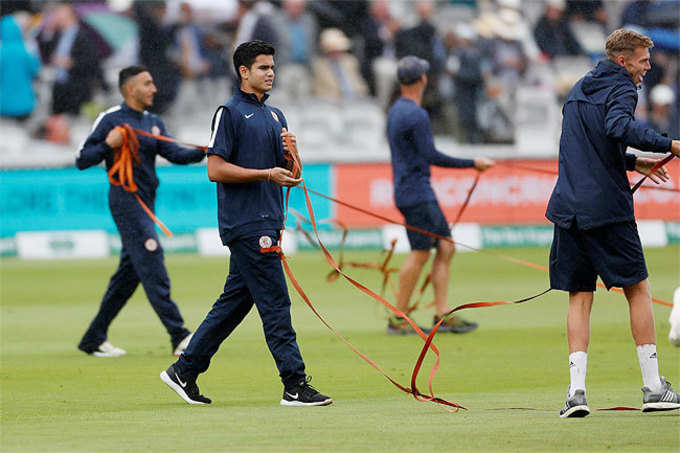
(592, 209)
(141, 255)
(412, 151)
(246, 160)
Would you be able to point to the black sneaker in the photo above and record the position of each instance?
(455, 325)
(575, 406)
(665, 400)
(303, 394)
(399, 326)
(186, 388)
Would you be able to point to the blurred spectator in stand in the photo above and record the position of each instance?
(18, 68)
(188, 51)
(378, 62)
(635, 13)
(587, 11)
(342, 14)
(336, 73)
(663, 111)
(190, 43)
(254, 22)
(297, 31)
(69, 50)
(14, 6)
(424, 42)
(155, 43)
(663, 14)
(510, 14)
(504, 66)
(466, 68)
(553, 32)
(650, 14)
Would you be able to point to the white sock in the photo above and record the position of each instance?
(578, 362)
(649, 367)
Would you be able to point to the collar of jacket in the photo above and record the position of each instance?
(606, 65)
(126, 108)
(251, 97)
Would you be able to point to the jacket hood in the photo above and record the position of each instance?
(9, 30)
(603, 76)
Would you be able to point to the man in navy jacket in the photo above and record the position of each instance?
(141, 256)
(412, 150)
(592, 209)
(246, 160)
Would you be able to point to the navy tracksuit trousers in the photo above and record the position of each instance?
(141, 260)
(254, 278)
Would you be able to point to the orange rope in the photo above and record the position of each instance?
(125, 158)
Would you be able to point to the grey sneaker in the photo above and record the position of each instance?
(575, 406)
(399, 326)
(666, 400)
(454, 325)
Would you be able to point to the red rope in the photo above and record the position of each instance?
(634, 188)
(412, 390)
(448, 239)
(658, 165)
(168, 139)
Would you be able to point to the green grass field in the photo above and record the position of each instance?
(54, 398)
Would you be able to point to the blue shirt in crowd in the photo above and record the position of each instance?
(95, 149)
(412, 149)
(598, 124)
(247, 133)
(18, 68)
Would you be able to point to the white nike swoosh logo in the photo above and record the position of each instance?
(292, 396)
(183, 384)
(248, 116)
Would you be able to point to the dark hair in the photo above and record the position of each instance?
(126, 73)
(247, 52)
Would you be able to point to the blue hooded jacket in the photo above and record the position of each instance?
(598, 124)
(18, 68)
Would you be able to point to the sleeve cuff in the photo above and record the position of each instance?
(669, 143)
(630, 161)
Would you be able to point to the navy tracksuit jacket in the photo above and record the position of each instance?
(141, 257)
(412, 149)
(598, 124)
(246, 132)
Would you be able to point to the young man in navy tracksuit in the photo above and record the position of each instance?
(412, 149)
(592, 209)
(246, 160)
(141, 256)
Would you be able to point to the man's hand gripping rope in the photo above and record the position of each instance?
(125, 158)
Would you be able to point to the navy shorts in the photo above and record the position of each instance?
(613, 252)
(429, 217)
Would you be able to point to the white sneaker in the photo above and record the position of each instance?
(182, 345)
(106, 349)
(674, 319)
